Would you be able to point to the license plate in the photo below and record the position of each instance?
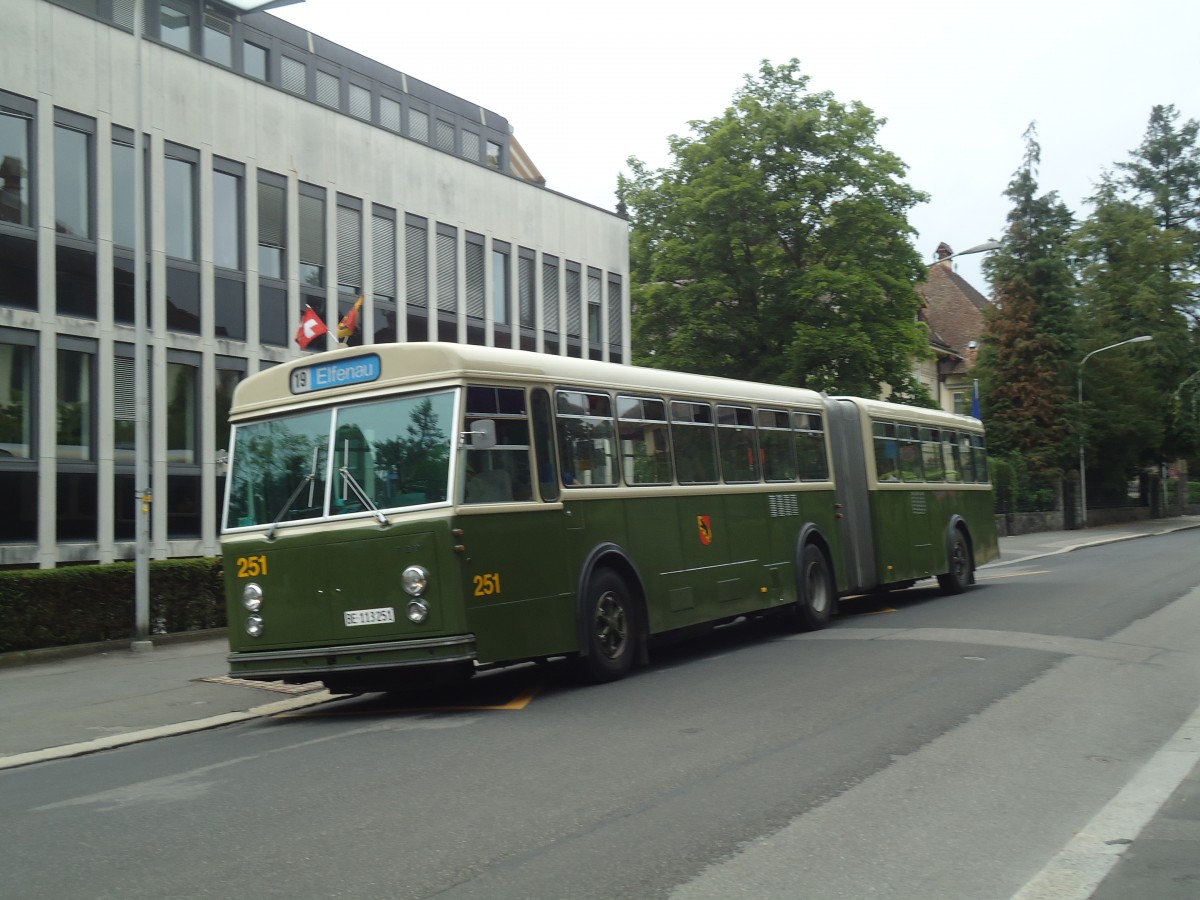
(370, 616)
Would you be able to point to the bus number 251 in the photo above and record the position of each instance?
(486, 585)
(251, 566)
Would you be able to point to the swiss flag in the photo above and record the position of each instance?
(311, 327)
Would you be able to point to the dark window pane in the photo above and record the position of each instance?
(76, 282)
(18, 525)
(16, 402)
(72, 182)
(182, 384)
(124, 508)
(14, 169)
(18, 272)
(183, 506)
(74, 409)
(272, 315)
(122, 199)
(254, 60)
(176, 27)
(227, 220)
(77, 506)
(183, 300)
(230, 303)
(227, 381)
(123, 291)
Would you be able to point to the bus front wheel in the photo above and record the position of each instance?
(961, 573)
(814, 592)
(609, 626)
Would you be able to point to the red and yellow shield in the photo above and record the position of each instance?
(704, 523)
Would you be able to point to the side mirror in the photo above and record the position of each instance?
(482, 435)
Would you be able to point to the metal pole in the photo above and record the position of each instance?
(141, 391)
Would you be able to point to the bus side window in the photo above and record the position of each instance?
(694, 442)
(543, 445)
(586, 439)
(980, 452)
(887, 452)
(499, 472)
(910, 454)
(735, 441)
(775, 439)
(642, 428)
(931, 453)
(950, 456)
(810, 446)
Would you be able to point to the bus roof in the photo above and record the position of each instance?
(411, 365)
(881, 409)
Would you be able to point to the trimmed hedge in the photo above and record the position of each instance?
(87, 604)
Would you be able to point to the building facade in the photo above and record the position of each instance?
(953, 311)
(281, 171)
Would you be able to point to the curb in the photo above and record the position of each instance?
(71, 651)
(150, 734)
(1070, 548)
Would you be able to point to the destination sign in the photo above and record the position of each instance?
(340, 373)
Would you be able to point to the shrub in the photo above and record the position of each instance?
(86, 604)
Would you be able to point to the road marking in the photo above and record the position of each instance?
(150, 734)
(519, 702)
(1013, 575)
(1077, 870)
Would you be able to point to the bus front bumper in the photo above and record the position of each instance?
(315, 663)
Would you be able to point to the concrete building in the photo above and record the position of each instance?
(282, 171)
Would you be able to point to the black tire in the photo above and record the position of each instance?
(609, 629)
(815, 595)
(962, 567)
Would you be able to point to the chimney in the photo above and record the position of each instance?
(943, 254)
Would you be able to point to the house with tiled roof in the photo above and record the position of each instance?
(953, 311)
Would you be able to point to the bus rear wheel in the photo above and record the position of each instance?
(814, 592)
(962, 568)
(609, 629)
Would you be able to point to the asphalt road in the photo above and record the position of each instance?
(923, 746)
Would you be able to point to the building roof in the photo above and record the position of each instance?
(953, 310)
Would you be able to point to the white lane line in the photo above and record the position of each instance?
(1077, 870)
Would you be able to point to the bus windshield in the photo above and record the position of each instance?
(386, 454)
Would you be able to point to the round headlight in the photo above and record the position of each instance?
(415, 579)
(254, 626)
(418, 611)
(252, 597)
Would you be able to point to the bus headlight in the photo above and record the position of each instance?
(252, 597)
(254, 626)
(418, 611)
(414, 580)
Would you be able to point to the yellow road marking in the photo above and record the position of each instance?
(517, 703)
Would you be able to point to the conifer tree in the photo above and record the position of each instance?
(1029, 340)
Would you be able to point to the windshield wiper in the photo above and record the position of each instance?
(362, 495)
(287, 504)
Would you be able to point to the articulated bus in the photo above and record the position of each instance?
(397, 514)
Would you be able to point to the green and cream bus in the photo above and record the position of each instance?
(396, 513)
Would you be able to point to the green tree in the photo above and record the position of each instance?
(1164, 173)
(1124, 264)
(1029, 339)
(775, 247)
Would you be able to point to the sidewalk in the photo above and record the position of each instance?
(56, 705)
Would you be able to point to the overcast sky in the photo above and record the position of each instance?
(587, 85)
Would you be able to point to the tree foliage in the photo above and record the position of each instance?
(775, 246)
(1031, 331)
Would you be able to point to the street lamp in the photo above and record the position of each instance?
(985, 247)
(141, 349)
(1082, 470)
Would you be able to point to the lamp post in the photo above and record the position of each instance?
(141, 349)
(985, 247)
(1082, 464)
